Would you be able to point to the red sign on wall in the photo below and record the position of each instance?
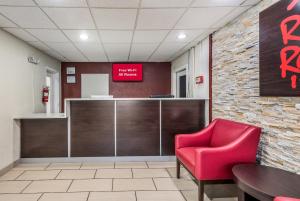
(127, 72)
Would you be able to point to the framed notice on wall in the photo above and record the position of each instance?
(279, 27)
(127, 72)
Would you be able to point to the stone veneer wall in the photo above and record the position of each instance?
(236, 91)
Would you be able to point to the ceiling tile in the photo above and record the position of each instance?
(165, 3)
(158, 18)
(68, 51)
(228, 18)
(206, 17)
(62, 3)
(55, 55)
(27, 17)
(250, 2)
(5, 22)
(115, 18)
(21, 34)
(48, 35)
(116, 36)
(117, 52)
(168, 49)
(149, 36)
(17, 2)
(71, 18)
(40, 46)
(190, 35)
(74, 35)
(212, 3)
(141, 52)
(114, 3)
(94, 51)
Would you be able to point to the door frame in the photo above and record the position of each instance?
(181, 70)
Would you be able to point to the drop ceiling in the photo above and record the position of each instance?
(118, 30)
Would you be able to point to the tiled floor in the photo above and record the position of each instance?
(120, 181)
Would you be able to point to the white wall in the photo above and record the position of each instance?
(20, 89)
(201, 67)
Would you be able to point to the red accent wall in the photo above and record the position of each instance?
(156, 80)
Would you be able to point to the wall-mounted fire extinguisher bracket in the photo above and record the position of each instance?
(45, 98)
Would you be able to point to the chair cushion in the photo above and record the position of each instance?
(226, 131)
(187, 157)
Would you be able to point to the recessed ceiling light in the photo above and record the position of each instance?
(181, 36)
(84, 36)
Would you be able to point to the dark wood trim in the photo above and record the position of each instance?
(210, 76)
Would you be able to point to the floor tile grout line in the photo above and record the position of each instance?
(16, 179)
(113, 181)
(88, 197)
(55, 178)
(183, 195)
(26, 187)
(95, 174)
(154, 183)
(70, 186)
(132, 173)
(40, 197)
(135, 195)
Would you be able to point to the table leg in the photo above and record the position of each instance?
(243, 196)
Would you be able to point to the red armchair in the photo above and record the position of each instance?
(210, 154)
(286, 199)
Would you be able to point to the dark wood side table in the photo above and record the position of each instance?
(257, 182)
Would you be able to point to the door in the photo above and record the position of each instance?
(181, 82)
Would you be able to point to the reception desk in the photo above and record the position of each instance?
(112, 127)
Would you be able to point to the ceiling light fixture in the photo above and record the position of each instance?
(181, 36)
(84, 36)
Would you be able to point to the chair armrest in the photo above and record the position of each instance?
(217, 162)
(198, 139)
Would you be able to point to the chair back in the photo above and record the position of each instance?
(226, 131)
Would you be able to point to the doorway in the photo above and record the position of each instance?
(52, 81)
(181, 84)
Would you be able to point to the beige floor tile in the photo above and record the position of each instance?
(157, 164)
(184, 174)
(13, 186)
(38, 175)
(133, 184)
(31, 166)
(99, 165)
(91, 185)
(76, 174)
(11, 175)
(48, 186)
(193, 195)
(114, 173)
(149, 173)
(131, 165)
(159, 196)
(19, 197)
(64, 197)
(64, 166)
(112, 196)
(174, 184)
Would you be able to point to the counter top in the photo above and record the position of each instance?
(42, 116)
(91, 99)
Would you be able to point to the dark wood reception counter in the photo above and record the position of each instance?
(113, 127)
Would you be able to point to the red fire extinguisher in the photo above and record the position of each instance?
(45, 95)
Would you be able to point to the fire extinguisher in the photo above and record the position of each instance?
(45, 95)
